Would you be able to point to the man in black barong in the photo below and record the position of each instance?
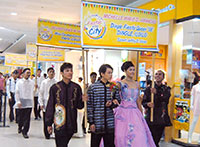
(65, 97)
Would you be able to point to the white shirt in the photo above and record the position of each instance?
(39, 81)
(11, 86)
(44, 91)
(24, 93)
(195, 99)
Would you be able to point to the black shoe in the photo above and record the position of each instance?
(19, 131)
(47, 137)
(25, 136)
(36, 118)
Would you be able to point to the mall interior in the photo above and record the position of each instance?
(178, 42)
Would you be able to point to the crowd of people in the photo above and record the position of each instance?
(117, 114)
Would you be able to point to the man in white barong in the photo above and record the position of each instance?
(44, 95)
(24, 102)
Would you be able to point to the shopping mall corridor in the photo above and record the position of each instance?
(10, 138)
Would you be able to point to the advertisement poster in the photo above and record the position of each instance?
(58, 34)
(117, 27)
(2, 60)
(142, 67)
(181, 114)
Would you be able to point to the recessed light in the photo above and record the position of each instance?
(13, 13)
(1, 39)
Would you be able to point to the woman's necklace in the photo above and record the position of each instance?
(129, 80)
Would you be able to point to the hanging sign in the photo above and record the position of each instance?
(18, 60)
(44, 53)
(58, 34)
(117, 27)
(51, 54)
(31, 52)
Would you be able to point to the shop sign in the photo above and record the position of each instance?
(51, 54)
(170, 7)
(160, 54)
(117, 27)
(18, 60)
(58, 34)
(181, 114)
(166, 8)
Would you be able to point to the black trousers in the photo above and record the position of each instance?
(108, 139)
(11, 104)
(24, 119)
(63, 140)
(17, 115)
(46, 134)
(156, 132)
(36, 108)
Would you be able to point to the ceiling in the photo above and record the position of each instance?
(17, 30)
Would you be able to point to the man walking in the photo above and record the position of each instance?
(24, 102)
(44, 95)
(99, 107)
(37, 89)
(65, 97)
(160, 107)
(10, 89)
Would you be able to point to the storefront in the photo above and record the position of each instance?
(179, 56)
(95, 58)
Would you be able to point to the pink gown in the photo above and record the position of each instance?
(131, 129)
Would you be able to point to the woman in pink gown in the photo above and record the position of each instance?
(131, 129)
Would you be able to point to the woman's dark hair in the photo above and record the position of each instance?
(65, 65)
(103, 68)
(123, 77)
(126, 65)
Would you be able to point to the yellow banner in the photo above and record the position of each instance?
(51, 54)
(44, 53)
(181, 114)
(31, 52)
(58, 34)
(5, 69)
(116, 27)
(18, 60)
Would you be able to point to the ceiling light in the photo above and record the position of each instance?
(13, 13)
(1, 39)
(195, 19)
(2, 28)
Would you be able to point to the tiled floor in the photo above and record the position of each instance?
(10, 138)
